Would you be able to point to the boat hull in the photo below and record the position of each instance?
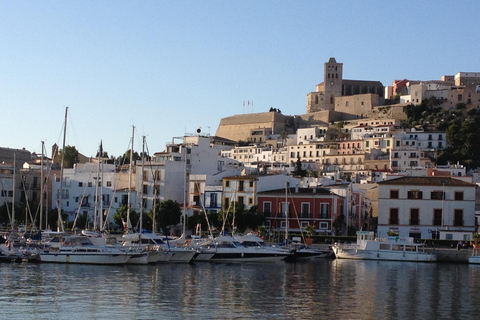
(308, 254)
(179, 255)
(237, 257)
(357, 254)
(84, 258)
(474, 259)
(139, 258)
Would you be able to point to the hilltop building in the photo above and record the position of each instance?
(355, 97)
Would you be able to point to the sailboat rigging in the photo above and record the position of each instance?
(60, 227)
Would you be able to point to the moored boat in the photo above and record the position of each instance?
(75, 249)
(392, 248)
(474, 259)
(229, 250)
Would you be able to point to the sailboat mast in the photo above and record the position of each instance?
(130, 178)
(286, 212)
(60, 190)
(101, 185)
(185, 191)
(13, 192)
(41, 187)
(141, 188)
(95, 209)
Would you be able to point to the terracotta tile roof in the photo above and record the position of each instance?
(301, 191)
(427, 181)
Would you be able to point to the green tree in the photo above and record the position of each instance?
(125, 158)
(309, 230)
(70, 158)
(83, 222)
(169, 214)
(338, 224)
(299, 172)
(120, 216)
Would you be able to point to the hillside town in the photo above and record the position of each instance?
(349, 163)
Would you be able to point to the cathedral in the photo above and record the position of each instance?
(347, 96)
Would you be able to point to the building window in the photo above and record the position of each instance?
(227, 183)
(304, 224)
(437, 217)
(458, 218)
(393, 194)
(459, 195)
(267, 208)
(437, 195)
(414, 217)
(415, 194)
(250, 184)
(393, 216)
(109, 183)
(80, 184)
(241, 200)
(324, 210)
(240, 185)
(213, 200)
(323, 225)
(305, 210)
(226, 202)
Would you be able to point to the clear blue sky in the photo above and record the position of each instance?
(168, 67)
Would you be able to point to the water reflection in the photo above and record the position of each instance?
(339, 289)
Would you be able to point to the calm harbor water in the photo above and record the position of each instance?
(328, 289)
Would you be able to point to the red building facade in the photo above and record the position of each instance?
(317, 207)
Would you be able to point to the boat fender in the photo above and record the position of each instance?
(67, 243)
(8, 244)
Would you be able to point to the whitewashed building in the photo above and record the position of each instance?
(420, 207)
(90, 188)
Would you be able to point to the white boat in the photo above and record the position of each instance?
(204, 253)
(166, 252)
(229, 250)
(76, 249)
(392, 248)
(138, 255)
(177, 253)
(474, 259)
